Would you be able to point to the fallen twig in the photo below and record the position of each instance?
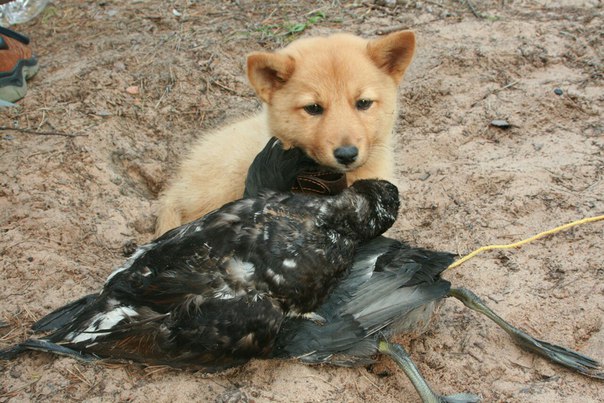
(31, 131)
(224, 87)
(495, 91)
(401, 27)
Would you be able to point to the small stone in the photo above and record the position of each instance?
(15, 373)
(558, 91)
(503, 124)
(386, 3)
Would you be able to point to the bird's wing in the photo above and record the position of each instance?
(192, 258)
(387, 281)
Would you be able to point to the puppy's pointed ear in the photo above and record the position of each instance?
(268, 72)
(393, 53)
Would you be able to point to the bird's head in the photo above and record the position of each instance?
(365, 210)
(279, 169)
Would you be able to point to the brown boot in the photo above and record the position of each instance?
(17, 64)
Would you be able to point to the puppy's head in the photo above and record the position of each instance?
(334, 97)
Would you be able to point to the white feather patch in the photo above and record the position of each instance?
(101, 323)
(240, 270)
(289, 263)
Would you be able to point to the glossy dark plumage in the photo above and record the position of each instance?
(213, 293)
(390, 289)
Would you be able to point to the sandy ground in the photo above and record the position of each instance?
(124, 87)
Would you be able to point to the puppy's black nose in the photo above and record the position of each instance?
(346, 155)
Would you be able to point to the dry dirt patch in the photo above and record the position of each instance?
(72, 204)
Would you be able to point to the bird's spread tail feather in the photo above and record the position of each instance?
(64, 315)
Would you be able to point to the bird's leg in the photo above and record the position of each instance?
(403, 360)
(563, 356)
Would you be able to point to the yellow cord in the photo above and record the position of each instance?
(525, 241)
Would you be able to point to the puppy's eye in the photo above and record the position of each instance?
(363, 104)
(314, 109)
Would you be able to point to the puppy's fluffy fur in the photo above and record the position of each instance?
(351, 81)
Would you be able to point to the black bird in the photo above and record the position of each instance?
(213, 293)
